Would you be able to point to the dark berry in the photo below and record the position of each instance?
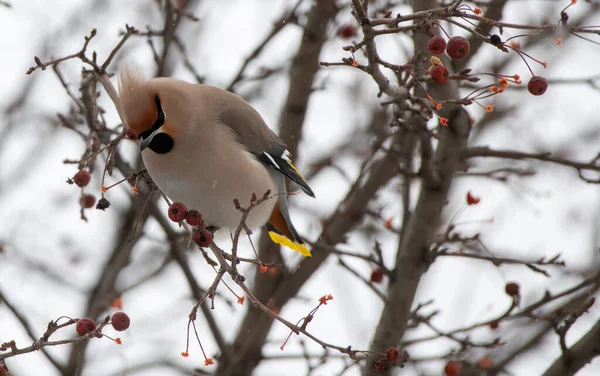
(202, 237)
(177, 212)
(439, 74)
(377, 275)
(437, 45)
(512, 289)
(103, 204)
(495, 40)
(85, 326)
(494, 324)
(193, 218)
(452, 368)
(458, 48)
(346, 31)
(87, 201)
(392, 354)
(120, 321)
(537, 85)
(82, 178)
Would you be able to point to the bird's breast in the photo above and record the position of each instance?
(209, 183)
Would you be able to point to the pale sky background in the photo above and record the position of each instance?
(552, 212)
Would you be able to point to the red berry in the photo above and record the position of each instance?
(82, 178)
(439, 74)
(131, 135)
(202, 237)
(494, 324)
(193, 218)
(85, 326)
(437, 45)
(452, 368)
(472, 199)
(177, 212)
(377, 275)
(537, 85)
(87, 201)
(3, 371)
(458, 48)
(346, 31)
(263, 269)
(392, 354)
(120, 321)
(512, 289)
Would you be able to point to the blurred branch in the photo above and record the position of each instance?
(497, 261)
(486, 152)
(30, 332)
(581, 353)
(303, 71)
(584, 288)
(288, 17)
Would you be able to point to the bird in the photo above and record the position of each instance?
(205, 146)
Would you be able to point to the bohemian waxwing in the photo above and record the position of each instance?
(204, 146)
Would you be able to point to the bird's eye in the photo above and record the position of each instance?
(162, 143)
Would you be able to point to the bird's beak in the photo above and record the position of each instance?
(145, 142)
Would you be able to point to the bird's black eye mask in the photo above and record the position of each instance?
(160, 120)
(160, 143)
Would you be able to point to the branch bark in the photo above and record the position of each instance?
(581, 353)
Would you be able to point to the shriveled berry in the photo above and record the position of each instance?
(437, 45)
(202, 237)
(193, 218)
(131, 135)
(87, 201)
(439, 74)
(346, 31)
(120, 321)
(377, 275)
(458, 47)
(382, 366)
(85, 326)
(537, 85)
(177, 212)
(103, 204)
(512, 289)
(392, 354)
(82, 178)
(453, 368)
(494, 324)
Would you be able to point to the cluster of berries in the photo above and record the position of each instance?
(119, 321)
(458, 48)
(178, 212)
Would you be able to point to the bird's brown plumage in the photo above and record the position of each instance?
(217, 136)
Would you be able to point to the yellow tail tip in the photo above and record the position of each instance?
(280, 239)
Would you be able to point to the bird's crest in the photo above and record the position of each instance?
(137, 99)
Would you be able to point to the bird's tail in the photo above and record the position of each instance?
(281, 229)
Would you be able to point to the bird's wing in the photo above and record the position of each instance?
(259, 139)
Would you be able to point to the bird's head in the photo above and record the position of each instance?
(144, 110)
